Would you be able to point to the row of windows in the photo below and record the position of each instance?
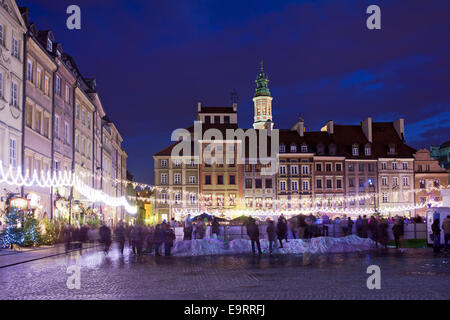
(361, 167)
(82, 113)
(362, 183)
(216, 120)
(395, 166)
(395, 181)
(293, 148)
(294, 185)
(38, 119)
(176, 179)
(294, 170)
(38, 76)
(83, 145)
(258, 183)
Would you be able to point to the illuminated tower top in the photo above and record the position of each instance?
(262, 101)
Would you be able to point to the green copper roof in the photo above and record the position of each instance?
(262, 82)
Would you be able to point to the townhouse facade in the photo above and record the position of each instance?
(38, 131)
(429, 179)
(12, 54)
(51, 118)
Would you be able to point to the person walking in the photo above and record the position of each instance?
(301, 226)
(159, 239)
(281, 230)
(292, 227)
(253, 233)
(373, 228)
(344, 226)
(365, 227)
(349, 226)
(271, 234)
(105, 237)
(359, 227)
(436, 236)
(215, 228)
(397, 232)
(382, 232)
(120, 236)
(446, 229)
(187, 228)
(169, 238)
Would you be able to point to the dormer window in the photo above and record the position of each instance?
(282, 148)
(392, 149)
(320, 149)
(368, 150)
(293, 148)
(58, 53)
(355, 150)
(49, 45)
(332, 149)
(304, 148)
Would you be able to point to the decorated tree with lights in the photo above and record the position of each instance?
(13, 234)
(31, 230)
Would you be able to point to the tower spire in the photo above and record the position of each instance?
(262, 101)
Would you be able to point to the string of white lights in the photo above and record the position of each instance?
(62, 179)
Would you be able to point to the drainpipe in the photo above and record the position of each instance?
(24, 94)
(73, 148)
(52, 165)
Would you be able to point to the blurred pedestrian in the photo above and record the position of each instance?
(373, 228)
(215, 228)
(397, 232)
(292, 227)
(446, 229)
(187, 228)
(382, 234)
(365, 226)
(120, 236)
(158, 239)
(349, 226)
(359, 227)
(271, 234)
(105, 237)
(169, 238)
(435, 228)
(344, 226)
(281, 230)
(253, 233)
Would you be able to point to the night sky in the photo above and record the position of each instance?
(154, 60)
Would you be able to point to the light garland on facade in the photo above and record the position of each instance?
(62, 179)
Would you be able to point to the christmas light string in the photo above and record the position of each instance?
(62, 179)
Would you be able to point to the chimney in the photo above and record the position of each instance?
(301, 127)
(366, 127)
(199, 106)
(399, 126)
(235, 107)
(268, 126)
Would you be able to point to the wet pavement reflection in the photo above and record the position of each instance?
(405, 274)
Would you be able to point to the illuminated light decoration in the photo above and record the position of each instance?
(95, 195)
(66, 179)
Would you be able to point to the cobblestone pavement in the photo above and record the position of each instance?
(409, 274)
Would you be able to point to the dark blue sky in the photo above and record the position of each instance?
(154, 60)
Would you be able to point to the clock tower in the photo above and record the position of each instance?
(262, 101)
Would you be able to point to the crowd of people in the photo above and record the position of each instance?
(159, 239)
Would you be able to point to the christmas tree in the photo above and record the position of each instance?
(31, 232)
(13, 233)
